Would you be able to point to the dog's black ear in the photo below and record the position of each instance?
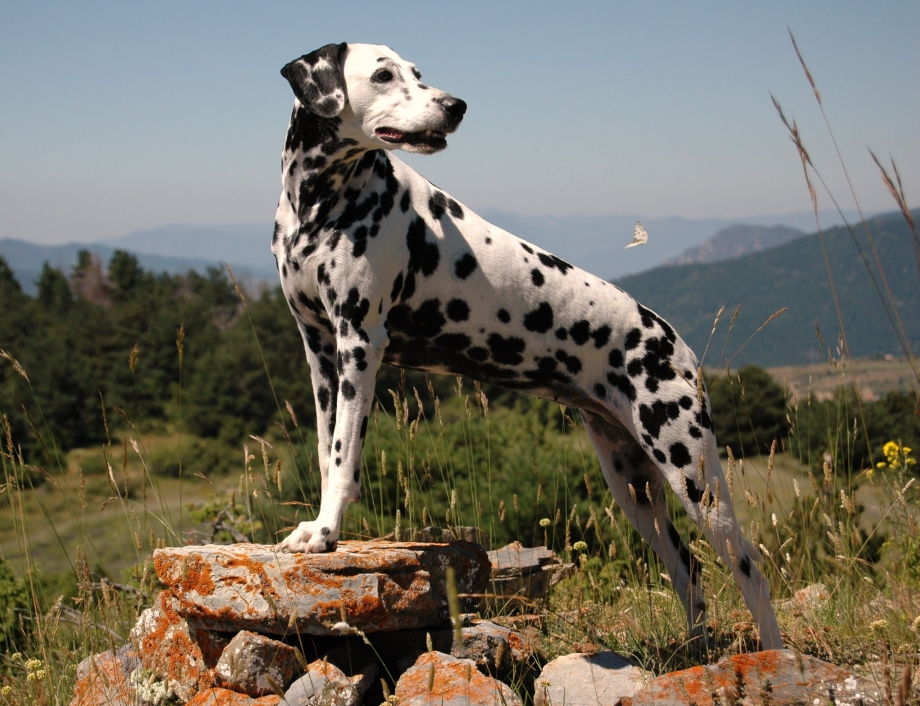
(318, 81)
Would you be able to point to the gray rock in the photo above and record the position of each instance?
(523, 572)
(250, 660)
(379, 585)
(324, 684)
(601, 679)
(780, 677)
(437, 678)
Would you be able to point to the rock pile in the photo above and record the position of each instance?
(246, 626)
(241, 625)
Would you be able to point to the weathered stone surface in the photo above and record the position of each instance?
(380, 585)
(601, 679)
(324, 684)
(217, 696)
(777, 677)
(494, 648)
(456, 682)
(168, 648)
(250, 660)
(105, 679)
(442, 534)
(519, 571)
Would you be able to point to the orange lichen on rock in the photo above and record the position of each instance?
(379, 585)
(104, 680)
(437, 678)
(216, 696)
(167, 648)
(779, 676)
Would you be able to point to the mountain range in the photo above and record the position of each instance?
(793, 277)
(762, 269)
(594, 243)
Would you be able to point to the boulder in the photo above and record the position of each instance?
(169, 648)
(324, 684)
(105, 678)
(777, 677)
(600, 679)
(378, 585)
(217, 696)
(437, 678)
(251, 663)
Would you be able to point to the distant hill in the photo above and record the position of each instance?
(26, 260)
(247, 244)
(595, 243)
(792, 276)
(735, 241)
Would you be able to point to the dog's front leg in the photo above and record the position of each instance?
(358, 358)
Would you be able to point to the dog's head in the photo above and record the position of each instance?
(378, 95)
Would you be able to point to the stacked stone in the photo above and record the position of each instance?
(243, 625)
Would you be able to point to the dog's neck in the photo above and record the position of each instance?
(320, 166)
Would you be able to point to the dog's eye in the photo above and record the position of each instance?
(383, 76)
(417, 73)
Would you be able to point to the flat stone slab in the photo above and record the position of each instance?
(378, 585)
(777, 677)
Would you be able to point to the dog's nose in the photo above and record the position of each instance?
(454, 107)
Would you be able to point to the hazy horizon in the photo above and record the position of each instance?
(116, 118)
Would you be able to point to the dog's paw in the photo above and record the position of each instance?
(310, 538)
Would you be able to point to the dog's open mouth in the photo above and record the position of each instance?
(426, 138)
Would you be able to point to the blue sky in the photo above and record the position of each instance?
(116, 116)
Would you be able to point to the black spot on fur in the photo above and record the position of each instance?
(540, 320)
(397, 287)
(615, 358)
(424, 256)
(458, 310)
(503, 316)
(404, 201)
(561, 333)
(453, 341)
(506, 351)
(537, 277)
(580, 331)
(325, 531)
(601, 336)
(456, 210)
(425, 322)
(465, 266)
(633, 338)
(323, 397)
(623, 384)
(600, 390)
(553, 261)
(659, 455)
(680, 456)
(437, 204)
(348, 390)
(694, 493)
(654, 417)
(745, 566)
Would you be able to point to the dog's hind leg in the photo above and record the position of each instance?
(637, 485)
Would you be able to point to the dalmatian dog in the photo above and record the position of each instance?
(379, 265)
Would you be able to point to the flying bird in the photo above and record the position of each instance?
(640, 236)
